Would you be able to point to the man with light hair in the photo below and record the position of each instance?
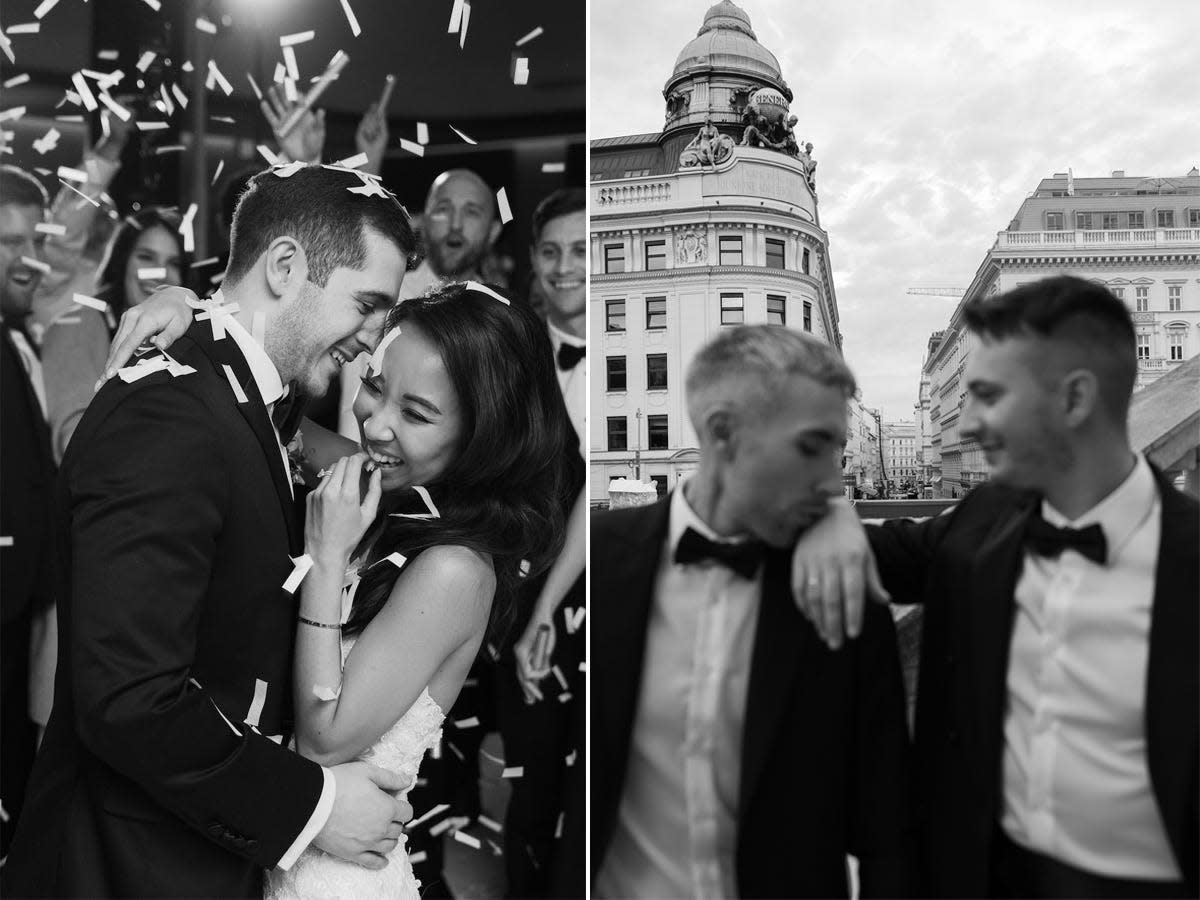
(718, 767)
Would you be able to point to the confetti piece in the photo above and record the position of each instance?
(85, 92)
(574, 618)
(254, 87)
(558, 827)
(215, 73)
(42, 267)
(369, 189)
(375, 364)
(12, 113)
(422, 133)
(16, 80)
(424, 495)
(50, 228)
(466, 19)
(151, 272)
(521, 71)
(301, 563)
(67, 184)
(68, 118)
(336, 64)
(5, 541)
(489, 823)
(420, 856)
(256, 704)
(280, 73)
(463, 838)
(145, 59)
(152, 126)
(154, 5)
(289, 170)
(144, 367)
(396, 559)
(167, 106)
(92, 302)
(202, 24)
(72, 174)
(107, 55)
(441, 827)
(456, 14)
(469, 722)
(570, 760)
(289, 60)
(217, 174)
(206, 262)
(354, 162)
(523, 568)
(170, 148)
(185, 228)
(300, 37)
(463, 136)
(564, 697)
(323, 693)
(412, 147)
(180, 96)
(583, 666)
(440, 808)
(265, 152)
(121, 112)
(242, 398)
(554, 168)
(6, 46)
(26, 28)
(354, 29)
(484, 289)
(559, 676)
(177, 369)
(513, 772)
(502, 204)
(537, 32)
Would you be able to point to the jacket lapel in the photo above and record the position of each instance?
(254, 411)
(780, 649)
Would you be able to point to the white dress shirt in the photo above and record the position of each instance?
(572, 382)
(1076, 783)
(676, 832)
(271, 387)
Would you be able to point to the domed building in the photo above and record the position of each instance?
(711, 222)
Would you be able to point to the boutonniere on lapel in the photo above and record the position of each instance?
(295, 457)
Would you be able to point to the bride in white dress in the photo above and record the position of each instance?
(461, 431)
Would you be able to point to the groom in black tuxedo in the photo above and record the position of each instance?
(1058, 706)
(734, 754)
(164, 771)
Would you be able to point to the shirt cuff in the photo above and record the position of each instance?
(316, 821)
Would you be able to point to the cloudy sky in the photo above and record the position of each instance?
(932, 120)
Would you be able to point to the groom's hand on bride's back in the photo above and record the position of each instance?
(367, 820)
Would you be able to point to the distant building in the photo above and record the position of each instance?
(861, 464)
(1140, 237)
(900, 452)
(691, 232)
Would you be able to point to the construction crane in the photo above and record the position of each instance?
(937, 292)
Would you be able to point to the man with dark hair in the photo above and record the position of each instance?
(1058, 706)
(733, 755)
(163, 771)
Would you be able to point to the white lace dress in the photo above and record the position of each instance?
(319, 876)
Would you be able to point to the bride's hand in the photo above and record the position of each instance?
(338, 514)
(529, 670)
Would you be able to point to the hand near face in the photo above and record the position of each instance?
(338, 513)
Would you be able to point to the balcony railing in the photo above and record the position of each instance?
(1087, 240)
(631, 194)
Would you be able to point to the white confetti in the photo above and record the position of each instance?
(50, 228)
(242, 398)
(187, 66)
(12, 113)
(144, 367)
(145, 59)
(254, 87)
(202, 24)
(554, 168)
(199, 264)
(70, 186)
(42, 267)
(375, 364)
(513, 772)
(489, 823)
(424, 495)
(16, 80)
(369, 189)
(180, 96)
(154, 5)
(300, 37)
(85, 92)
(462, 31)
(354, 29)
(301, 564)
(469, 722)
(332, 70)
(412, 147)
(559, 676)
(521, 71)
(214, 72)
(5, 541)
(92, 302)
(570, 760)
(108, 55)
(185, 229)
(289, 60)
(537, 32)
(280, 73)
(574, 618)
(463, 136)
(257, 703)
(422, 133)
(484, 289)
(170, 148)
(289, 170)
(217, 174)
(324, 693)
(354, 162)
(463, 838)
(26, 28)
(150, 273)
(265, 152)
(396, 559)
(121, 112)
(440, 808)
(456, 14)
(441, 827)
(152, 126)
(502, 204)
(420, 856)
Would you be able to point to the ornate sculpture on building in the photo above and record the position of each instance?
(810, 165)
(708, 148)
(691, 248)
(677, 103)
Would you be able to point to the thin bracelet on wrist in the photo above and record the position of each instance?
(317, 624)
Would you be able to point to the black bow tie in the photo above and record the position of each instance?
(1045, 540)
(744, 558)
(286, 415)
(569, 355)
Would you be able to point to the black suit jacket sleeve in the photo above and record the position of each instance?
(904, 551)
(881, 826)
(147, 512)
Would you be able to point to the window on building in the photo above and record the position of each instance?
(732, 309)
(776, 309)
(1083, 221)
(618, 433)
(660, 482)
(614, 258)
(774, 254)
(635, 173)
(1174, 298)
(1175, 344)
(656, 312)
(1142, 298)
(807, 316)
(730, 250)
(1110, 220)
(1137, 219)
(657, 426)
(656, 255)
(1054, 221)
(1118, 292)
(616, 373)
(614, 315)
(804, 261)
(1143, 346)
(1194, 218)
(1165, 217)
(656, 372)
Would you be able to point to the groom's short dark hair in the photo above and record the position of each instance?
(313, 205)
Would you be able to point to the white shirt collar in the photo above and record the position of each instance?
(262, 370)
(558, 337)
(682, 517)
(1120, 513)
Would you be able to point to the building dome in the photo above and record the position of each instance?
(727, 42)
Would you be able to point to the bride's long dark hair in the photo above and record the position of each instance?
(502, 493)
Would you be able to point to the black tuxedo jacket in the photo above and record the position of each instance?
(162, 772)
(26, 488)
(825, 749)
(963, 567)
